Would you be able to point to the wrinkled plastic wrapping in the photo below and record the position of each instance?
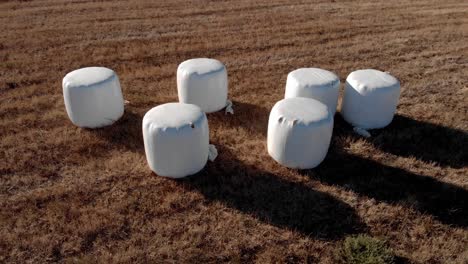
(212, 152)
(362, 132)
(93, 97)
(203, 82)
(314, 83)
(176, 139)
(370, 99)
(229, 109)
(299, 132)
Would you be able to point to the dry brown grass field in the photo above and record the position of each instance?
(78, 195)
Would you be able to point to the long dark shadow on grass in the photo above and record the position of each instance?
(401, 260)
(446, 202)
(124, 132)
(422, 140)
(251, 117)
(274, 200)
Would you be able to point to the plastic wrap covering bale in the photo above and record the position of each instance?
(370, 99)
(93, 97)
(229, 108)
(203, 82)
(176, 139)
(299, 132)
(314, 83)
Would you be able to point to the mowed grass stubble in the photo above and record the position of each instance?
(70, 194)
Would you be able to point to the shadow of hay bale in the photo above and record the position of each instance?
(446, 202)
(401, 260)
(425, 141)
(274, 200)
(251, 117)
(126, 132)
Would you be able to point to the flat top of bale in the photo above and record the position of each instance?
(87, 76)
(304, 110)
(372, 80)
(314, 77)
(173, 115)
(200, 66)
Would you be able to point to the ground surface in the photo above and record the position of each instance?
(71, 194)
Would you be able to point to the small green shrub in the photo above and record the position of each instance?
(363, 249)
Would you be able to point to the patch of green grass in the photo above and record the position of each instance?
(364, 249)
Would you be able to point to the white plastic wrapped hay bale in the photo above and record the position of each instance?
(93, 97)
(370, 99)
(176, 139)
(299, 132)
(203, 82)
(314, 83)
